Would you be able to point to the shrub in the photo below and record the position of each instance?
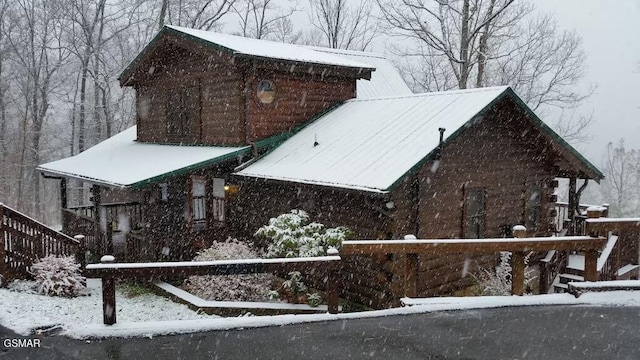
(58, 276)
(498, 282)
(291, 235)
(252, 287)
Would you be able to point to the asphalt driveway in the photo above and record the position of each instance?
(545, 332)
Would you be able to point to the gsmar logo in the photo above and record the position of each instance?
(21, 343)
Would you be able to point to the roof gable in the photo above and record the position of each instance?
(249, 48)
(373, 144)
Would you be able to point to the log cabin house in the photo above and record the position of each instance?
(231, 131)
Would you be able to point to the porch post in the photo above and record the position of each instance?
(63, 193)
(572, 204)
(96, 200)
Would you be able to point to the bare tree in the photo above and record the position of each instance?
(458, 31)
(285, 32)
(37, 57)
(260, 18)
(341, 26)
(195, 14)
(485, 43)
(622, 179)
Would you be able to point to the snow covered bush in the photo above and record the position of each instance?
(251, 287)
(291, 235)
(498, 282)
(295, 291)
(58, 276)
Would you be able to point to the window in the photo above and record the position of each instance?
(218, 201)
(198, 204)
(533, 208)
(474, 214)
(182, 113)
(266, 91)
(164, 192)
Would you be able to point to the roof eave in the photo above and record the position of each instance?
(154, 179)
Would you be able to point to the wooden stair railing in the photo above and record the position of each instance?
(24, 240)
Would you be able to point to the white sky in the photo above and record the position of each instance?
(610, 31)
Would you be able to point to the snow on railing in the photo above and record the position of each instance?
(109, 271)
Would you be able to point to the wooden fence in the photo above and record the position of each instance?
(519, 246)
(109, 272)
(24, 240)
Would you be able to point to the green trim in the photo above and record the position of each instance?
(190, 168)
(508, 92)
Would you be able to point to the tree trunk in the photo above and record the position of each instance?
(464, 47)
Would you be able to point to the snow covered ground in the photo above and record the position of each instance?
(150, 315)
(23, 311)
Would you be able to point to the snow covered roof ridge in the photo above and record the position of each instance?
(434, 93)
(269, 49)
(348, 52)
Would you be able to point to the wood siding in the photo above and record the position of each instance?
(214, 85)
(501, 154)
(298, 98)
(221, 93)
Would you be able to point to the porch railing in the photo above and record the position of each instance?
(76, 223)
(24, 240)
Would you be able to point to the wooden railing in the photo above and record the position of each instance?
(622, 247)
(75, 223)
(112, 212)
(550, 266)
(138, 249)
(24, 240)
(159, 270)
(562, 220)
(519, 246)
(132, 209)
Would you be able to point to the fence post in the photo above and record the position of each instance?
(333, 283)
(592, 213)
(3, 254)
(411, 272)
(81, 252)
(517, 264)
(108, 294)
(591, 265)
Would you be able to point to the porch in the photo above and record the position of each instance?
(116, 228)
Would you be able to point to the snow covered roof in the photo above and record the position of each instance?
(120, 161)
(258, 48)
(371, 144)
(385, 81)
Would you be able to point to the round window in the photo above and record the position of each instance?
(266, 91)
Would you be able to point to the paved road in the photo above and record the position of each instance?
(551, 332)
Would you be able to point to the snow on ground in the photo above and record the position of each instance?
(22, 311)
(149, 315)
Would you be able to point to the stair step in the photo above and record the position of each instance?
(567, 278)
(559, 288)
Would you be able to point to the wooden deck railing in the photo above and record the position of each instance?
(622, 248)
(562, 221)
(24, 240)
(519, 246)
(157, 271)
